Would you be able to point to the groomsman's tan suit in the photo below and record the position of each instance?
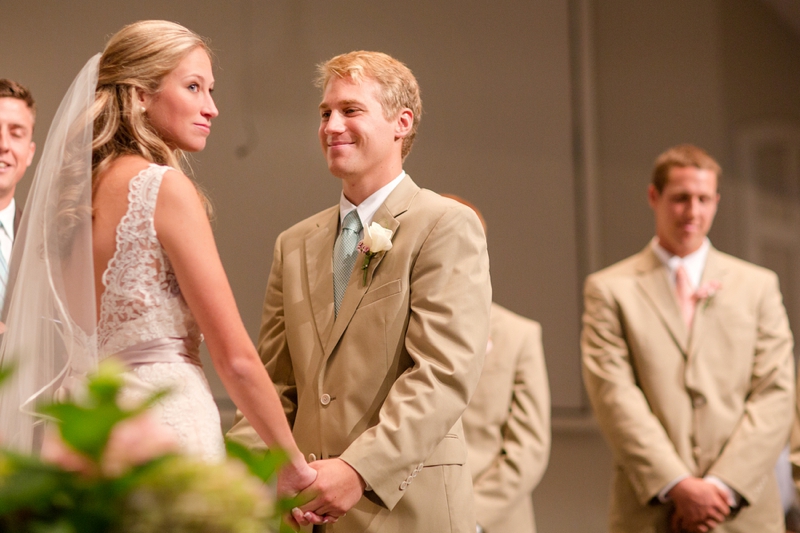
(714, 400)
(507, 425)
(383, 385)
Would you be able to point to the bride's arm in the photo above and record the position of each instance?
(185, 233)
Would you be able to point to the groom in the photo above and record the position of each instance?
(376, 353)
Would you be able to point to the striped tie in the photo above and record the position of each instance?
(344, 256)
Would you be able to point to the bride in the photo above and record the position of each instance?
(116, 256)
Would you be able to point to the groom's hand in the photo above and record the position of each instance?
(338, 487)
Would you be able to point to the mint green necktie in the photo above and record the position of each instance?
(344, 256)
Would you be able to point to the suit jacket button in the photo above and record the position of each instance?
(312, 458)
(325, 399)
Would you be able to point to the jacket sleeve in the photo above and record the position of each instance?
(750, 453)
(519, 466)
(637, 438)
(446, 335)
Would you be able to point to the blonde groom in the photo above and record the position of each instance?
(376, 344)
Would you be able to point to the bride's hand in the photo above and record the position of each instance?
(292, 479)
(295, 477)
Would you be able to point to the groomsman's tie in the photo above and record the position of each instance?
(344, 256)
(685, 295)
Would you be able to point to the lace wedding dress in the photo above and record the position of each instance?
(145, 322)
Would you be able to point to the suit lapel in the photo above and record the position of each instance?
(713, 271)
(654, 282)
(319, 268)
(386, 215)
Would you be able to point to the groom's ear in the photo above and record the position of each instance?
(403, 123)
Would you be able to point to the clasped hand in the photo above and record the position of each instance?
(329, 488)
(700, 506)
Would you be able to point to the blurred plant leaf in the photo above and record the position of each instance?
(86, 429)
(38, 497)
(28, 483)
(5, 372)
(263, 465)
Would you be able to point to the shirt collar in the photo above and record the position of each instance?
(7, 216)
(694, 263)
(368, 208)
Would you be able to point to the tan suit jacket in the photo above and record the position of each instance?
(717, 400)
(507, 425)
(384, 385)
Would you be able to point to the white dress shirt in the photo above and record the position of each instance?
(368, 208)
(694, 264)
(7, 232)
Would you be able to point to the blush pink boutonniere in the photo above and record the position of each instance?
(706, 292)
(376, 239)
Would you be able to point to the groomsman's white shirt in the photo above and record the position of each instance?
(7, 232)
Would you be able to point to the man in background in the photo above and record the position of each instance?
(687, 361)
(17, 118)
(507, 422)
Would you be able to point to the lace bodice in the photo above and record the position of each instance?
(142, 300)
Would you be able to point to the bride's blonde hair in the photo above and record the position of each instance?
(136, 60)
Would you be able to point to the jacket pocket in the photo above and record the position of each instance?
(450, 451)
(379, 293)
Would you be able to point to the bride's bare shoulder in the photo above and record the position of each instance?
(177, 193)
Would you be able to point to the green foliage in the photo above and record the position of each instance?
(166, 493)
(36, 496)
(177, 496)
(265, 466)
(262, 465)
(86, 426)
(5, 373)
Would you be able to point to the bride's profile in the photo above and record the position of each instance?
(116, 257)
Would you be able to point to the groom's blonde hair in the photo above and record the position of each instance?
(398, 86)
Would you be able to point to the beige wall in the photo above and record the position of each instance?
(497, 129)
(658, 84)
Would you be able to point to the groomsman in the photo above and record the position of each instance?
(17, 118)
(376, 349)
(687, 360)
(507, 422)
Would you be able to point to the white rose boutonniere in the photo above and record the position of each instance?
(376, 239)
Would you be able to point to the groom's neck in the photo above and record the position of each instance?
(357, 188)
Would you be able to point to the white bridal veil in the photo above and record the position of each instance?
(51, 318)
